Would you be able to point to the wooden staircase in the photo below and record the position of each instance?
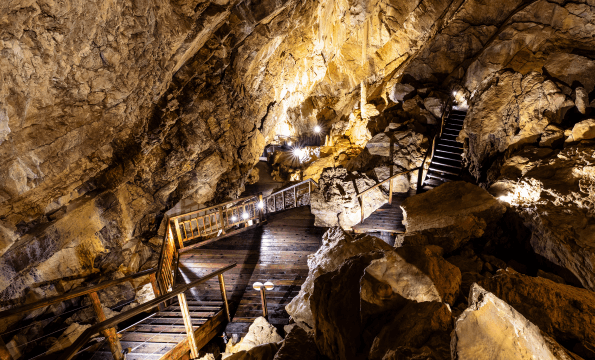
(162, 334)
(446, 162)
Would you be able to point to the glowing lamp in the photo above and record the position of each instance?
(234, 218)
(245, 216)
(317, 129)
(260, 205)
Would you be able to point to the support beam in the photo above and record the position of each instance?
(156, 291)
(188, 325)
(110, 334)
(224, 296)
(180, 240)
(263, 298)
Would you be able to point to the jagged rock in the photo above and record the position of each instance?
(253, 176)
(583, 130)
(513, 110)
(298, 345)
(335, 304)
(434, 105)
(564, 312)
(415, 273)
(581, 100)
(351, 304)
(380, 145)
(337, 246)
(492, 329)
(571, 68)
(553, 193)
(259, 333)
(467, 261)
(401, 183)
(335, 202)
(553, 277)
(260, 352)
(552, 136)
(449, 215)
(400, 91)
(416, 326)
(68, 337)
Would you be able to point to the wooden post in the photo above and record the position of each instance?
(156, 291)
(361, 201)
(283, 198)
(110, 334)
(224, 296)
(390, 191)
(295, 196)
(188, 325)
(275, 202)
(263, 298)
(180, 240)
(221, 218)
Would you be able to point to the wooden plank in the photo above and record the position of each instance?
(188, 323)
(204, 334)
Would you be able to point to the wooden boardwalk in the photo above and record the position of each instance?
(386, 219)
(275, 252)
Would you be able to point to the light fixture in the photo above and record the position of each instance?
(244, 216)
(289, 143)
(260, 205)
(258, 286)
(234, 218)
(269, 285)
(317, 129)
(454, 93)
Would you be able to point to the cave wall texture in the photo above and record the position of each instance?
(113, 111)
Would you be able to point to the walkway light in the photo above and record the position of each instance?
(262, 288)
(260, 205)
(317, 129)
(289, 143)
(245, 216)
(234, 218)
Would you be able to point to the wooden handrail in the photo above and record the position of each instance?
(385, 180)
(72, 294)
(214, 207)
(72, 350)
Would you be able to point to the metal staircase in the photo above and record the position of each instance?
(446, 162)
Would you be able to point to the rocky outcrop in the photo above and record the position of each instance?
(297, 345)
(449, 215)
(490, 328)
(261, 332)
(553, 193)
(260, 352)
(337, 246)
(335, 202)
(564, 312)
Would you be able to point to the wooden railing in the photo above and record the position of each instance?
(290, 197)
(73, 349)
(109, 332)
(390, 189)
(421, 178)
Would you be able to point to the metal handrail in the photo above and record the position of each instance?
(214, 207)
(385, 180)
(421, 177)
(281, 192)
(72, 294)
(72, 350)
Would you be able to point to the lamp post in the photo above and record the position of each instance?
(262, 288)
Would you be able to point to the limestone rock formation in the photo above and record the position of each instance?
(564, 312)
(553, 192)
(260, 352)
(261, 332)
(297, 345)
(335, 202)
(492, 329)
(337, 246)
(449, 215)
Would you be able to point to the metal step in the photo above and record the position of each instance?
(443, 178)
(450, 147)
(450, 142)
(442, 169)
(450, 128)
(447, 151)
(432, 182)
(444, 163)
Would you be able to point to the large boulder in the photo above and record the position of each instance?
(583, 130)
(352, 304)
(572, 68)
(298, 345)
(449, 215)
(260, 352)
(259, 333)
(492, 329)
(553, 193)
(400, 92)
(335, 202)
(564, 312)
(418, 327)
(337, 246)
